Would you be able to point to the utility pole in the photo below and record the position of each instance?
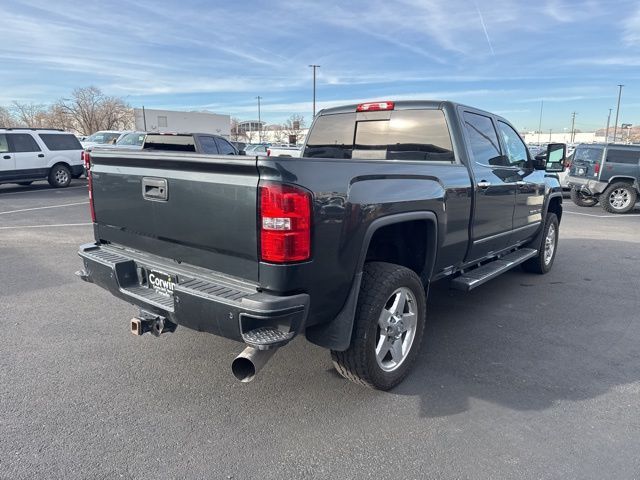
(573, 124)
(259, 121)
(550, 135)
(606, 135)
(315, 67)
(540, 122)
(615, 125)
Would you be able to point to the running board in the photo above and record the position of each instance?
(476, 277)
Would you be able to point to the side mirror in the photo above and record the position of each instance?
(556, 155)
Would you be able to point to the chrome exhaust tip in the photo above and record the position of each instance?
(246, 366)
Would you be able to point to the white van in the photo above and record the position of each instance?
(28, 154)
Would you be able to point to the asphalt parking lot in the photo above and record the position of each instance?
(526, 377)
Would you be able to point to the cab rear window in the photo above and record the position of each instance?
(629, 157)
(397, 135)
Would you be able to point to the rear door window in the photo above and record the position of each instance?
(55, 141)
(225, 147)
(403, 135)
(208, 145)
(22, 142)
(629, 157)
(4, 146)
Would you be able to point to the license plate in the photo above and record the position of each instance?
(161, 282)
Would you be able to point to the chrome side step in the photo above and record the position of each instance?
(476, 277)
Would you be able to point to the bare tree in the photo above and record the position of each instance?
(277, 133)
(294, 126)
(6, 118)
(30, 115)
(90, 110)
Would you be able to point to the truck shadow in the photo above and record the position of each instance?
(527, 341)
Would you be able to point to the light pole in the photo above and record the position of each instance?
(550, 134)
(315, 67)
(573, 125)
(540, 122)
(606, 134)
(259, 121)
(615, 125)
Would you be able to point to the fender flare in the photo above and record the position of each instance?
(336, 334)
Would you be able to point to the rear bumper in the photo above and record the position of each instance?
(201, 300)
(586, 185)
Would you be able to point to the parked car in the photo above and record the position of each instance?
(606, 173)
(339, 245)
(29, 154)
(190, 142)
(239, 145)
(103, 137)
(284, 151)
(131, 140)
(256, 149)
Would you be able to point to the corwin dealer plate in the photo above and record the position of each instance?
(161, 282)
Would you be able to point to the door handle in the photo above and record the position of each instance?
(155, 189)
(484, 184)
(7, 157)
(41, 155)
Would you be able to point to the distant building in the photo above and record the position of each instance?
(151, 120)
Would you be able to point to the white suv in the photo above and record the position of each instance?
(28, 154)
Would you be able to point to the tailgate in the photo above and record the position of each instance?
(196, 209)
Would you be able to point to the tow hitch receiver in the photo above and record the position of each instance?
(149, 322)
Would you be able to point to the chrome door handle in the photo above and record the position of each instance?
(484, 184)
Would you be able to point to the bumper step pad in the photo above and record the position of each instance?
(264, 338)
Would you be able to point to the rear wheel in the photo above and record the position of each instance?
(388, 327)
(543, 262)
(619, 198)
(59, 176)
(582, 200)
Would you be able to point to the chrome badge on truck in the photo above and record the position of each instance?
(161, 282)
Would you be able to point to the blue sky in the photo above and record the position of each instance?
(501, 55)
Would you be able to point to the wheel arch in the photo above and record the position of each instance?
(337, 333)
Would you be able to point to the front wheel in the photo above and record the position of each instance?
(59, 176)
(388, 328)
(619, 198)
(582, 200)
(543, 262)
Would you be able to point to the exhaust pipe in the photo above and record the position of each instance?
(246, 366)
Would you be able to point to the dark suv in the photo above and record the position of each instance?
(606, 173)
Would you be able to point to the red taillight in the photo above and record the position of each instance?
(268, 152)
(375, 106)
(596, 169)
(87, 164)
(285, 223)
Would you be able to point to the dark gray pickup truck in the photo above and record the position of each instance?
(340, 245)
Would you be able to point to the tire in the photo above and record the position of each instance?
(59, 176)
(619, 197)
(25, 184)
(582, 201)
(384, 285)
(543, 262)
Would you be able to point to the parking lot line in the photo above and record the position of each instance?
(38, 191)
(602, 216)
(42, 208)
(45, 226)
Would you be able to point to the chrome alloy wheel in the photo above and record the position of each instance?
(61, 176)
(549, 244)
(396, 329)
(619, 198)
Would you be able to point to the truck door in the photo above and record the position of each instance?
(495, 187)
(7, 162)
(527, 216)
